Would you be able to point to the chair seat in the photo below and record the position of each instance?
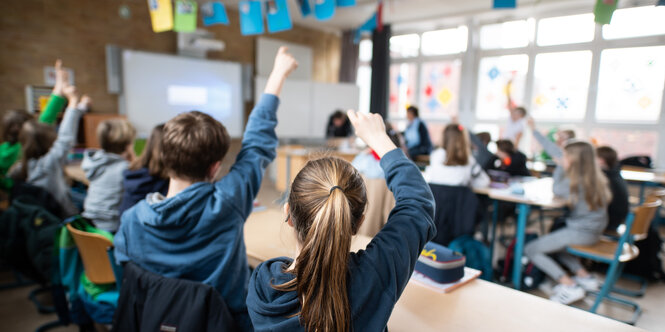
(605, 250)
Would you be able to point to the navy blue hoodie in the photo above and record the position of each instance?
(376, 276)
(139, 183)
(198, 234)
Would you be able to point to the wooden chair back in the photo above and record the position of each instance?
(644, 214)
(92, 249)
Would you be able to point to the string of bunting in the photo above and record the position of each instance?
(181, 15)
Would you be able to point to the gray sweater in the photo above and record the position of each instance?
(104, 170)
(550, 147)
(47, 172)
(581, 217)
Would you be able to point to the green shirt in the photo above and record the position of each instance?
(10, 152)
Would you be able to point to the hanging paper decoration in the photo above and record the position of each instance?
(428, 90)
(185, 16)
(432, 104)
(603, 11)
(644, 102)
(447, 71)
(562, 103)
(278, 16)
(251, 17)
(161, 15)
(493, 73)
(444, 97)
(214, 13)
(346, 3)
(541, 100)
(305, 8)
(324, 9)
(504, 4)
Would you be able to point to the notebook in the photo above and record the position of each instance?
(469, 275)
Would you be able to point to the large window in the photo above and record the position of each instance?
(402, 88)
(448, 41)
(498, 77)
(566, 30)
(511, 34)
(636, 22)
(439, 88)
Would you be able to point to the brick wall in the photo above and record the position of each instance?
(33, 33)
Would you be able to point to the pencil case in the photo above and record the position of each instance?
(440, 264)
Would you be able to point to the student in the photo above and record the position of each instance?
(326, 288)
(579, 181)
(338, 126)
(517, 124)
(146, 174)
(368, 162)
(196, 231)
(416, 135)
(104, 169)
(44, 152)
(12, 122)
(453, 164)
(509, 159)
(618, 208)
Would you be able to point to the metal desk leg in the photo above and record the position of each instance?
(524, 210)
(642, 189)
(495, 217)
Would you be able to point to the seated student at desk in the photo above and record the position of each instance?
(617, 211)
(416, 135)
(338, 126)
(326, 288)
(509, 159)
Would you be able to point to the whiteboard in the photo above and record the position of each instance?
(157, 87)
(305, 106)
(267, 48)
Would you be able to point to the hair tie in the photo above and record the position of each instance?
(333, 188)
(460, 127)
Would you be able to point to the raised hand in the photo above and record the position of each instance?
(531, 122)
(285, 64)
(59, 78)
(72, 95)
(85, 102)
(372, 130)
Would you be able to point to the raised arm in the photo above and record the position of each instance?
(68, 127)
(57, 100)
(259, 142)
(394, 251)
(550, 147)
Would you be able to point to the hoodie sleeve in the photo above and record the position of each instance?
(394, 251)
(550, 147)
(259, 148)
(561, 186)
(66, 138)
(53, 107)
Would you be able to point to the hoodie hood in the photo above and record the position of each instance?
(95, 161)
(267, 306)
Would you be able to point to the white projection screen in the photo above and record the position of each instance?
(157, 87)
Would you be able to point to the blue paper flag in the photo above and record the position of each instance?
(278, 16)
(369, 25)
(214, 13)
(346, 3)
(661, 3)
(251, 17)
(505, 4)
(305, 9)
(324, 9)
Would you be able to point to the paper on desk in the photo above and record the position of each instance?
(469, 275)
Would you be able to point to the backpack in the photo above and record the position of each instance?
(27, 234)
(648, 264)
(477, 254)
(531, 275)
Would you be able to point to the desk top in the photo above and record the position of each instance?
(477, 306)
(74, 172)
(642, 175)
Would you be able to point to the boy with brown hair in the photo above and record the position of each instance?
(196, 231)
(104, 168)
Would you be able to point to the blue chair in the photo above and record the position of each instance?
(616, 253)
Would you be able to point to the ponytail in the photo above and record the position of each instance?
(326, 205)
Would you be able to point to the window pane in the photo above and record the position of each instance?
(627, 143)
(402, 88)
(364, 80)
(439, 89)
(505, 35)
(448, 41)
(561, 85)
(635, 22)
(493, 77)
(630, 85)
(404, 46)
(566, 30)
(365, 50)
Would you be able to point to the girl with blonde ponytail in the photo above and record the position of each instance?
(327, 288)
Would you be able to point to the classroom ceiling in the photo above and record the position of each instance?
(413, 11)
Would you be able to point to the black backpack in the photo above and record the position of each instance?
(648, 263)
(531, 275)
(27, 235)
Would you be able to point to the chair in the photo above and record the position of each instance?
(617, 252)
(93, 252)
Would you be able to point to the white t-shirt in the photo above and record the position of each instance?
(470, 174)
(514, 128)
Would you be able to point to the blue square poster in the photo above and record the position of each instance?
(324, 9)
(278, 16)
(214, 13)
(251, 17)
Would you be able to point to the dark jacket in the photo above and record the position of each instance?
(139, 183)
(344, 131)
(149, 302)
(516, 166)
(455, 212)
(376, 276)
(617, 211)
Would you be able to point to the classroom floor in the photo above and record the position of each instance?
(18, 314)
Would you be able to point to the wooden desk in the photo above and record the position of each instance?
(292, 158)
(643, 177)
(477, 306)
(74, 172)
